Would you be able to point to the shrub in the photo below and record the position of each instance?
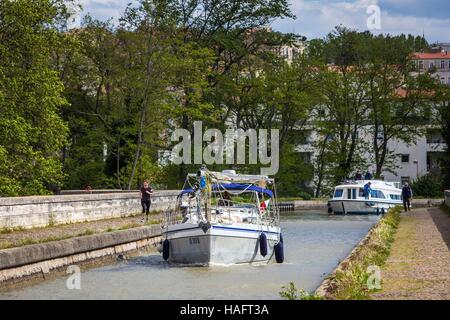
(427, 186)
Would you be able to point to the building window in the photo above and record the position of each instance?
(405, 158)
(431, 65)
(421, 64)
(448, 64)
(442, 80)
(442, 64)
(449, 81)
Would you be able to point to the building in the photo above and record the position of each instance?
(289, 52)
(437, 63)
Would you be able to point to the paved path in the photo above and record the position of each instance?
(419, 264)
(35, 235)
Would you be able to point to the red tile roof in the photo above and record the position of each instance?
(437, 55)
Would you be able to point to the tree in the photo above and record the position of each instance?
(397, 101)
(441, 101)
(31, 95)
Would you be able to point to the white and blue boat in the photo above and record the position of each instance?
(349, 197)
(226, 218)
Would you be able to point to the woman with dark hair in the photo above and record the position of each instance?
(146, 201)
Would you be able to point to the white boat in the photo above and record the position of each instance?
(349, 198)
(227, 218)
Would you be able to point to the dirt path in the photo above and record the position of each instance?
(419, 264)
(10, 239)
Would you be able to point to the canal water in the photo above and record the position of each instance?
(314, 244)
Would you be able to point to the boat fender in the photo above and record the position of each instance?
(166, 249)
(279, 251)
(263, 244)
(204, 226)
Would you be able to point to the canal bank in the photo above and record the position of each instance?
(404, 256)
(350, 280)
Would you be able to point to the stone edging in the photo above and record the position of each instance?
(17, 264)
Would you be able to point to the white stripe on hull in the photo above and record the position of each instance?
(220, 244)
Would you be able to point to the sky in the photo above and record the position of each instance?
(316, 18)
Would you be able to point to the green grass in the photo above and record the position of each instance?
(350, 282)
(290, 292)
(6, 245)
(6, 230)
(129, 226)
(86, 232)
(27, 241)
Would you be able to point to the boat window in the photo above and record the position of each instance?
(353, 193)
(361, 193)
(395, 196)
(349, 193)
(338, 193)
(377, 194)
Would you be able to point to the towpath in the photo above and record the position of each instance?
(419, 264)
(14, 238)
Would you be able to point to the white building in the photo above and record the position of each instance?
(437, 63)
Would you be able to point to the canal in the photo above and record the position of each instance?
(314, 242)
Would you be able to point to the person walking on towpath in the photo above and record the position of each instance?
(406, 197)
(146, 201)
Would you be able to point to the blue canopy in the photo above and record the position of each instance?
(233, 186)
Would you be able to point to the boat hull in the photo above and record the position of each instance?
(219, 244)
(360, 206)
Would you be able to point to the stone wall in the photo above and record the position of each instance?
(40, 211)
(38, 260)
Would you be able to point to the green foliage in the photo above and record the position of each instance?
(293, 175)
(95, 105)
(292, 293)
(350, 281)
(32, 132)
(360, 96)
(427, 186)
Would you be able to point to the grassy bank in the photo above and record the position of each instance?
(351, 278)
(28, 238)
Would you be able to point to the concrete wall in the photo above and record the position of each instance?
(39, 211)
(447, 198)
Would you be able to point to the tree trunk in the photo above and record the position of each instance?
(138, 149)
(118, 164)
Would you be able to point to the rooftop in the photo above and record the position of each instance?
(437, 55)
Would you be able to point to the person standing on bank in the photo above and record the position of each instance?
(406, 197)
(146, 201)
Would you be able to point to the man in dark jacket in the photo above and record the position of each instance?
(406, 197)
